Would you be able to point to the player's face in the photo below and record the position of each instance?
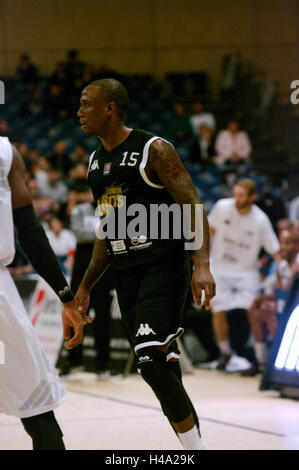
(242, 198)
(92, 111)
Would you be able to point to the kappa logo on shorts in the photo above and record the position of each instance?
(144, 329)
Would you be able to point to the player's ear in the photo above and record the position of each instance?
(111, 108)
(253, 197)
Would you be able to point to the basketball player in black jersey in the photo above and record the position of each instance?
(152, 275)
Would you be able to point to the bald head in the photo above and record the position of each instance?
(113, 91)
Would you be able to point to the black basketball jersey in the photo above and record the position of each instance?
(118, 181)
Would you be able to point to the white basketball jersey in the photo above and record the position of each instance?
(7, 243)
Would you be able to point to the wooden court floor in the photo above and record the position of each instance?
(112, 415)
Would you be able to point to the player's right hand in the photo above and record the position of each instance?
(71, 318)
(82, 300)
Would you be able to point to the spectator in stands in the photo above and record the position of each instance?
(41, 170)
(78, 182)
(272, 203)
(239, 230)
(73, 66)
(203, 148)
(43, 205)
(59, 158)
(56, 102)
(265, 309)
(27, 72)
(33, 103)
(284, 224)
(60, 77)
(79, 190)
(54, 188)
(232, 144)
(273, 206)
(178, 127)
(80, 155)
(200, 116)
(63, 243)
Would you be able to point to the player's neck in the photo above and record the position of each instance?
(114, 136)
(244, 210)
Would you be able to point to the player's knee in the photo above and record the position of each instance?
(150, 361)
(165, 384)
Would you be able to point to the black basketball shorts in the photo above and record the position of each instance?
(152, 299)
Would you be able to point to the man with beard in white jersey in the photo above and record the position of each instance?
(29, 386)
(239, 230)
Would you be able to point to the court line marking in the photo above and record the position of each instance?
(202, 418)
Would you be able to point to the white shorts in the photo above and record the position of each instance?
(29, 385)
(234, 291)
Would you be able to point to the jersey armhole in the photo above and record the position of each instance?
(144, 162)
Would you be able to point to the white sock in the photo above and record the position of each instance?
(191, 440)
(261, 352)
(225, 347)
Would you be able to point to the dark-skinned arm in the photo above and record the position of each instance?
(98, 264)
(35, 244)
(165, 167)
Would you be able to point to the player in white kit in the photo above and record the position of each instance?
(239, 229)
(29, 386)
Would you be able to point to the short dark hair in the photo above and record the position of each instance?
(113, 90)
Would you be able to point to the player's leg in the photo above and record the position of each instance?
(159, 314)
(165, 381)
(44, 432)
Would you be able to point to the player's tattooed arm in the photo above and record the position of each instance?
(98, 264)
(165, 167)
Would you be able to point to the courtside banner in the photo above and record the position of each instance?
(45, 314)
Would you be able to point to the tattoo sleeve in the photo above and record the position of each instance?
(165, 165)
(98, 264)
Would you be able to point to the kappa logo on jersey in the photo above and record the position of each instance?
(107, 168)
(145, 329)
(94, 166)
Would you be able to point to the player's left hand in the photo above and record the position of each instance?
(71, 318)
(202, 280)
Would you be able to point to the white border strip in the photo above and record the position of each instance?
(144, 162)
(170, 338)
(90, 160)
(172, 355)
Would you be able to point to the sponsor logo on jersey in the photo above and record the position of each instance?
(144, 359)
(140, 239)
(94, 166)
(145, 329)
(107, 168)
